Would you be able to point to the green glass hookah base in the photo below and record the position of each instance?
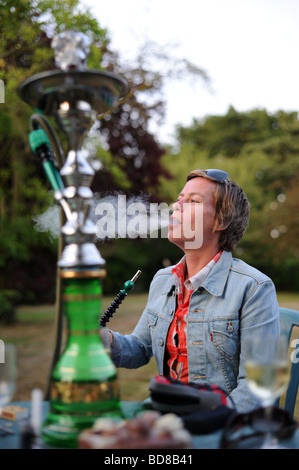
(65, 420)
(84, 385)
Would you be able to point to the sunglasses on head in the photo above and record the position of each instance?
(214, 174)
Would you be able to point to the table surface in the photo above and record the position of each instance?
(203, 441)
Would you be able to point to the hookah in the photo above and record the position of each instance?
(83, 384)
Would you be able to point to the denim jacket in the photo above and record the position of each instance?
(235, 301)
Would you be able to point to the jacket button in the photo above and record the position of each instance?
(230, 328)
(161, 342)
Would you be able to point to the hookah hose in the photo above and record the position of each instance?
(128, 286)
(44, 143)
(40, 145)
(38, 121)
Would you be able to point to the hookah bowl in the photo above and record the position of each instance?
(84, 383)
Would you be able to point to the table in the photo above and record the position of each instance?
(203, 441)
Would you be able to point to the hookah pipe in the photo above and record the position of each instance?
(128, 286)
(83, 383)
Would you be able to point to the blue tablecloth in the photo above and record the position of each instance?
(203, 441)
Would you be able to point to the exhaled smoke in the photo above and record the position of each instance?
(116, 216)
(49, 222)
(122, 217)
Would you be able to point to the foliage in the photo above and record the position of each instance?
(227, 135)
(9, 298)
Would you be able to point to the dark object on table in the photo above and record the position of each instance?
(203, 408)
(168, 395)
(246, 430)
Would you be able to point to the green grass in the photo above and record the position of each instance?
(288, 298)
(36, 313)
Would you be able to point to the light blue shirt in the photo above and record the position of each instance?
(234, 301)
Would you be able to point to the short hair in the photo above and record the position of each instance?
(232, 208)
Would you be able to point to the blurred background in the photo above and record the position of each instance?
(212, 85)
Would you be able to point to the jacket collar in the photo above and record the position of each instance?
(214, 282)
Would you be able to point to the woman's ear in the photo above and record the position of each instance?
(219, 227)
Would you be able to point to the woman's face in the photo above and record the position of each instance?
(192, 222)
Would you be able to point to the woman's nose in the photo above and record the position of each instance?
(176, 206)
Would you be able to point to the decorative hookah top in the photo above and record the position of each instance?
(71, 50)
(75, 96)
(47, 91)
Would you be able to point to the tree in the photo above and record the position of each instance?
(226, 135)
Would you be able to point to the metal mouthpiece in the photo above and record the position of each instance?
(136, 276)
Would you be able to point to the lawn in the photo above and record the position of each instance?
(34, 336)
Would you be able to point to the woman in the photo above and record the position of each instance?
(200, 311)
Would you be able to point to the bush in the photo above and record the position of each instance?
(9, 299)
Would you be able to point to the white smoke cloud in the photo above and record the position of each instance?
(115, 216)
